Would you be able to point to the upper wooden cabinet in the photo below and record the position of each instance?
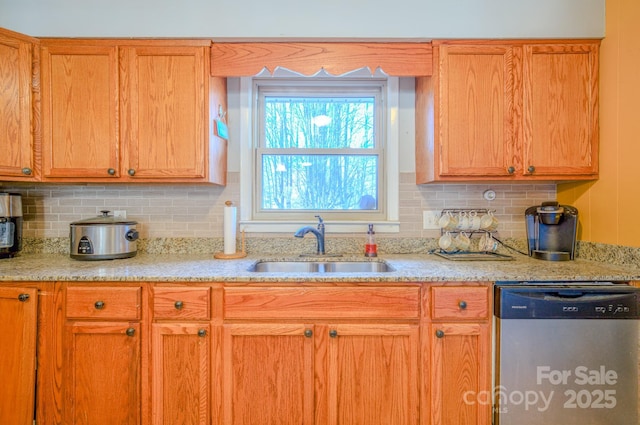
(18, 94)
(503, 110)
(117, 110)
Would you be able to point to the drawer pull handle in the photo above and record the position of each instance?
(99, 305)
(308, 333)
(131, 331)
(131, 172)
(202, 333)
(439, 333)
(333, 333)
(111, 171)
(178, 305)
(511, 170)
(26, 171)
(531, 169)
(462, 305)
(23, 297)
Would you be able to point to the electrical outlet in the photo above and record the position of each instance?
(119, 214)
(430, 219)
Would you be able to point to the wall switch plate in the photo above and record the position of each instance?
(430, 219)
(119, 214)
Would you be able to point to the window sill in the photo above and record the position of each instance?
(330, 226)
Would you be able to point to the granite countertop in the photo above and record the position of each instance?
(204, 268)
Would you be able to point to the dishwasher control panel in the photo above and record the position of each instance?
(567, 302)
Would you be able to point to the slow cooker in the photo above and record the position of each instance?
(104, 237)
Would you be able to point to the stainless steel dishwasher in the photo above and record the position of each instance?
(566, 353)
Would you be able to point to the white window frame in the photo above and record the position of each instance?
(390, 180)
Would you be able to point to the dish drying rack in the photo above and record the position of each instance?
(456, 211)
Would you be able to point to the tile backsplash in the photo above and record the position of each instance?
(185, 211)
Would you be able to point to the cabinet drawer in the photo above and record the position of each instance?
(460, 302)
(103, 303)
(322, 303)
(182, 303)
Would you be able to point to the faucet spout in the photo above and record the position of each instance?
(318, 233)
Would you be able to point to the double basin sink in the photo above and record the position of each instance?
(321, 267)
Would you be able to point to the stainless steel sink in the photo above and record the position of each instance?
(321, 267)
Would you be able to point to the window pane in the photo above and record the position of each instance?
(319, 182)
(319, 122)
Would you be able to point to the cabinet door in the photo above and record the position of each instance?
(18, 314)
(474, 108)
(560, 108)
(372, 374)
(460, 374)
(17, 161)
(180, 374)
(268, 374)
(102, 373)
(164, 115)
(80, 111)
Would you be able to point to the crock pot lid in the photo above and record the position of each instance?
(105, 218)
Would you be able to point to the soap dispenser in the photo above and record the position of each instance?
(370, 247)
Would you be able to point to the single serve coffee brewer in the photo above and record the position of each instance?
(551, 231)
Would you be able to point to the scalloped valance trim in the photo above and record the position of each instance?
(249, 59)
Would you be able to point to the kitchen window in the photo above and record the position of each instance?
(319, 145)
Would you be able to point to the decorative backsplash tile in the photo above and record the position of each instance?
(196, 211)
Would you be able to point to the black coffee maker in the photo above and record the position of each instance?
(551, 231)
(10, 224)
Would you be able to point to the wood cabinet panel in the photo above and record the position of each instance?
(460, 374)
(362, 302)
(80, 111)
(181, 378)
(475, 98)
(460, 302)
(164, 114)
(268, 374)
(18, 75)
(103, 303)
(182, 303)
(18, 333)
(102, 374)
(373, 374)
(560, 107)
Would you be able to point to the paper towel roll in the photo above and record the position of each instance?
(229, 228)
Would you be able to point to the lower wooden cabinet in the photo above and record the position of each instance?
(459, 340)
(102, 356)
(321, 355)
(102, 373)
(206, 354)
(18, 313)
(181, 347)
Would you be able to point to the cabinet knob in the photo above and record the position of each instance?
(130, 332)
(439, 333)
(23, 297)
(178, 305)
(111, 172)
(308, 333)
(511, 170)
(462, 305)
(531, 169)
(26, 171)
(333, 333)
(202, 333)
(99, 305)
(131, 172)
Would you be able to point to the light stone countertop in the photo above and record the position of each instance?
(204, 268)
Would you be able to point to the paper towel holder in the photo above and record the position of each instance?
(239, 254)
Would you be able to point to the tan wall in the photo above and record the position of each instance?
(606, 205)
